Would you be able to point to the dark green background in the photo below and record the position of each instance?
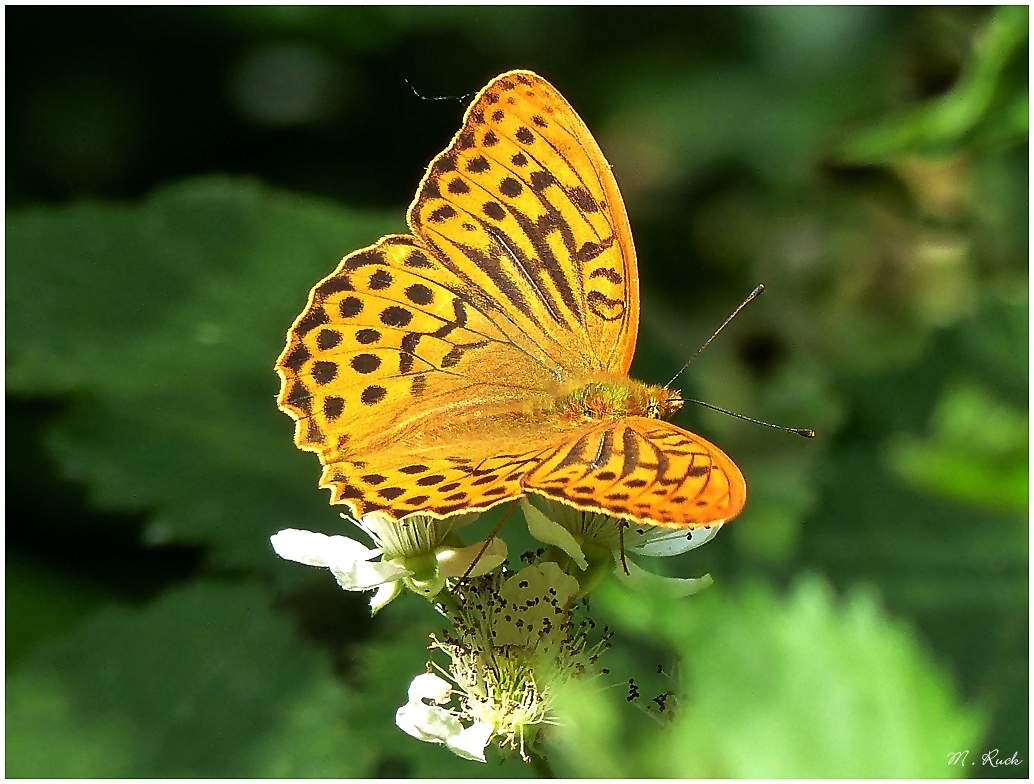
(178, 179)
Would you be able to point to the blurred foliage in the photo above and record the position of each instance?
(794, 687)
(174, 305)
(867, 164)
(978, 452)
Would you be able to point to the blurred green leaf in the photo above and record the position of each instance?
(162, 322)
(199, 684)
(977, 452)
(318, 739)
(802, 686)
(940, 124)
(209, 682)
(42, 602)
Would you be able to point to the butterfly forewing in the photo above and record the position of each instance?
(524, 206)
(385, 344)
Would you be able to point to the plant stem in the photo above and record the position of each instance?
(541, 766)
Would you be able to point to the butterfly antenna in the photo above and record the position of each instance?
(484, 548)
(459, 98)
(753, 294)
(797, 431)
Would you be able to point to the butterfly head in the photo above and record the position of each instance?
(612, 397)
(662, 402)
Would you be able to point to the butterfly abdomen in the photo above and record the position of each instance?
(615, 398)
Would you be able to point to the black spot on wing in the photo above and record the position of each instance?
(458, 186)
(446, 163)
(493, 210)
(328, 339)
(373, 395)
(511, 187)
(350, 307)
(630, 451)
(380, 280)
(324, 372)
(333, 407)
(442, 214)
(333, 286)
(365, 363)
(297, 357)
(583, 200)
(395, 316)
(316, 316)
(419, 294)
(417, 260)
(364, 258)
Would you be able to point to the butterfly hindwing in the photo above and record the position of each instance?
(642, 469)
(406, 481)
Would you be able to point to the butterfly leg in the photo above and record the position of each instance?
(485, 546)
(622, 525)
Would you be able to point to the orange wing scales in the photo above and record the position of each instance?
(424, 370)
(645, 470)
(430, 485)
(524, 204)
(383, 345)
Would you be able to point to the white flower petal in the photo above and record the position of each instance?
(316, 549)
(365, 576)
(386, 592)
(427, 722)
(549, 532)
(377, 525)
(428, 686)
(435, 724)
(455, 562)
(470, 743)
(676, 587)
(664, 542)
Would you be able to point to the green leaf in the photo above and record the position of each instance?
(162, 322)
(198, 684)
(941, 124)
(802, 686)
(976, 454)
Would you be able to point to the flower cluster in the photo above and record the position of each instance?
(420, 553)
(515, 636)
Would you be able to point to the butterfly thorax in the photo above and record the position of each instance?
(614, 398)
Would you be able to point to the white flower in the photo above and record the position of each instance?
(515, 642)
(429, 550)
(349, 561)
(594, 540)
(436, 724)
(417, 552)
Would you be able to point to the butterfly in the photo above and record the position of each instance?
(485, 355)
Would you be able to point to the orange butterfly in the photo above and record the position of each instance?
(486, 356)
